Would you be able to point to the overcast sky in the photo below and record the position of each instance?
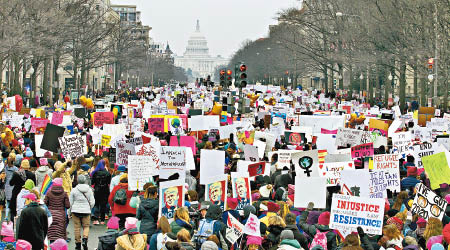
(225, 24)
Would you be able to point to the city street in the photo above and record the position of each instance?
(94, 233)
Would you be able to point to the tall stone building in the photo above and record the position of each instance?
(196, 58)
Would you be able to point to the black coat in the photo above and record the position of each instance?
(32, 225)
(147, 213)
(108, 240)
(101, 180)
(17, 181)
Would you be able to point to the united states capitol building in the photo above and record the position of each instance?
(196, 58)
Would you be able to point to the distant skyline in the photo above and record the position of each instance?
(174, 21)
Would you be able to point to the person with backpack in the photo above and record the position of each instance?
(212, 224)
(109, 239)
(101, 179)
(81, 202)
(119, 201)
(321, 233)
(148, 210)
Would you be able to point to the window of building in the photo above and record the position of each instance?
(132, 17)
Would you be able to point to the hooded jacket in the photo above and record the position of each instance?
(121, 209)
(9, 174)
(289, 244)
(312, 230)
(40, 173)
(32, 225)
(132, 242)
(81, 199)
(298, 236)
(178, 224)
(215, 213)
(65, 174)
(108, 240)
(147, 213)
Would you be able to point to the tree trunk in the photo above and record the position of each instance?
(415, 81)
(341, 77)
(445, 104)
(402, 85)
(325, 77)
(370, 82)
(423, 91)
(16, 85)
(24, 76)
(56, 76)
(45, 85)
(350, 73)
(2, 60)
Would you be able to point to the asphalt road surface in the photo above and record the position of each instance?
(94, 233)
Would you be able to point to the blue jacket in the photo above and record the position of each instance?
(408, 182)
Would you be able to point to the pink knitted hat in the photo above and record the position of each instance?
(130, 223)
(59, 244)
(23, 245)
(254, 240)
(7, 229)
(113, 223)
(43, 161)
(58, 182)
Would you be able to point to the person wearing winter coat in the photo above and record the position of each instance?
(116, 179)
(147, 212)
(10, 169)
(122, 211)
(181, 220)
(57, 201)
(32, 224)
(132, 238)
(184, 238)
(17, 181)
(392, 238)
(65, 174)
(290, 220)
(322, 226)
(27, 187)
(108, 240)
(275, 227)
(288, 242)
(101, 179)
(81, 202)
(42, 171)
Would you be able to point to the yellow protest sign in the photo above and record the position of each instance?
(437, 169)
(106, 139)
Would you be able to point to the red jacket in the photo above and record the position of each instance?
(121, 209)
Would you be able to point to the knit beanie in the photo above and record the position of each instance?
(287, 234)
(434, 240)
(446, 233)
(209, 245)
(254, 240)
(396, 221)
(29, 184)
(43, 161)
(59, 244)
(324, 218)
(113, 223)
(411, 171)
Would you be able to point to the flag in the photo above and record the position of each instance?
(46, 184)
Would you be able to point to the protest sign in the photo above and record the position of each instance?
(38, 124)
(49, 141)
(427, 204)
(294, 138)
(348, 136)
(401, 143)
(155, 125)
(362, 150)
(379, 126)
(176, 126)
(39, 151)
(390, 164)
(252, 226)
(283, 158)
(306, 163)
(140, 171)
(225, 131)
(135, 141)
(151, 149)
(211, 164)
(106, 139)
(73, 146)
(241, 189)
(350, 212)
(101, 118)
(216, 190)
(173, 160)
(123, 150)
(319, 122)
(355, 182)
(172, 197)
(267, 138)
(16, 121)
(437, 168)
(332, 171)
(258, 168)
(234, 229)
(380, 180)
(80, 112)
(57, 118)
(317, 192)
(421, 150)
(251, 153)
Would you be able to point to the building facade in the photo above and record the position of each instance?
(196, 58)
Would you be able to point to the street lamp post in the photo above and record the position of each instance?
(361, 78)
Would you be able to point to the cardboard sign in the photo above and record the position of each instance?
(362, 150)
(427, 204)
(422, 150)
(123, 150)
(390, 164)
(151, 149)
(402, 143)
(347, 136)
(106, 140)
(257, 168)
(317, 189)
(173, 160)
(16, 121)
(135, 141)
(251, 153)
(306, 163)
(241, 189)
(155, 125)
(380, 180)
(350, 212)
(49, 141)
(216, 190)
(176, 126)
(437, 168)
(332, 171)
(140, 171)
(172, 197)
(101, 118)
(234, 229)
(73, 146)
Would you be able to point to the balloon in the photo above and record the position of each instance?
(67, 99)
(115, 112)
(83, 100)
(217, 109)
(19, 103)
(3, 136)
(89, 103)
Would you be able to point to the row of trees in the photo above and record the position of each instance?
(369, 38)
(41, 36)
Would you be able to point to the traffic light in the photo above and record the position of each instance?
(241, 77)
(430, 63)
(229, 78)
(222, 77)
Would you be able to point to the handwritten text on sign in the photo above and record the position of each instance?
(123, 150)
(386, 161)
(140, 169)
(363, 150)
(73, 146)
(101, 118)
(173, 158)
(427, 204)
(350, 212)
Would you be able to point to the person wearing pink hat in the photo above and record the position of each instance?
(253, 242)
(132, 238)
(23, 245)
(7, 232)
(109, 239)
(59, 244)
(42, 171)
(57, 202)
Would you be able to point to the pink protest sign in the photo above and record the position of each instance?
(101, 118)
(362, 150)
(155, 124)
(38, 124)
(185, 141)
(57, 118)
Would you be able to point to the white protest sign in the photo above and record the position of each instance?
(319, 122)
(73, 146)
(173, 160)
(421, 150)
(317, 192)
(261, 148)
(140, 170)
(327, 142)
(348, 136)
(306, 163)
(212, 163)
(234, 229)
(38, 141)
(135, 141)
(267, 138)
(394, 126)
(252, 226)
(225, 131)
(350, 212)
(427, 204)
(331, 171)
(355, 182)
(390, 164)
(401, 142)
(123, 150)
(251, 153)
(190, 162)
(16, 121)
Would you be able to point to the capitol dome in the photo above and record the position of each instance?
(197, 44)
